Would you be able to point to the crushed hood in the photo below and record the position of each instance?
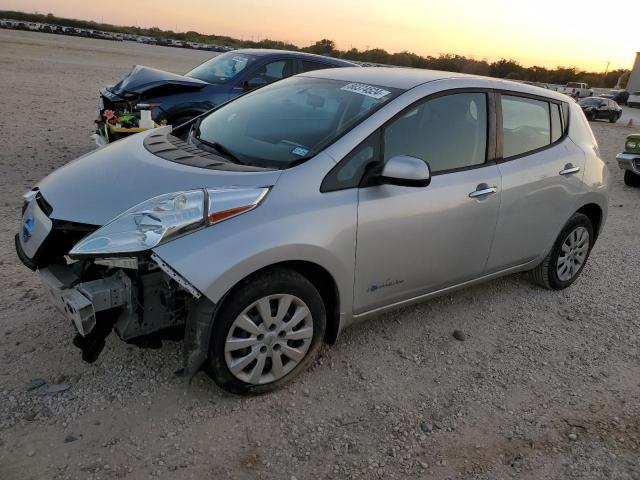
(142, 79)
(97, 187)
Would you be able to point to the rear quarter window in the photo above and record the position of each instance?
(556, 122)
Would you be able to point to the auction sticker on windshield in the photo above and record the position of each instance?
(364, 89)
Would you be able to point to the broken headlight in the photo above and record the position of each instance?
(166, 217)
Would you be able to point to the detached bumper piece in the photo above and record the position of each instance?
(629, 161)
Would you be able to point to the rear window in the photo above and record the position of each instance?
(526, 125)
(574, 85)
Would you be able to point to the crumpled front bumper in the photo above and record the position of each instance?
(629, 161)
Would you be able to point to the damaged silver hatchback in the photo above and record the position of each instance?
(263, 228)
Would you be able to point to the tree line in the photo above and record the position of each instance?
(503, 68)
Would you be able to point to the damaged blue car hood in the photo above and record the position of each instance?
(142, 79)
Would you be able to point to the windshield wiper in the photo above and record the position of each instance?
(218, 147)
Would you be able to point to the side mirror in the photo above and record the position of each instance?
(255, 82)
(405, 171)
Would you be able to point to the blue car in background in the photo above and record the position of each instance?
(174, 99)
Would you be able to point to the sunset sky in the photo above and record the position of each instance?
(583, 33)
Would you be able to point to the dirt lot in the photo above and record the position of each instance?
(545, 386)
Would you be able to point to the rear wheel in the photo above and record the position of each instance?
(266, 333)
(631, 179)
(568, 256)
(613, 117)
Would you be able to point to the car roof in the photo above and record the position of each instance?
(402, 78)
(408, 78)
(267, 52)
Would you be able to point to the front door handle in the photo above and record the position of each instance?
(483, 190)
(569, 169)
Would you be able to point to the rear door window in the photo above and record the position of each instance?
(526, 125)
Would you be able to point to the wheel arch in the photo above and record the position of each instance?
(595, 214)
(321, 279)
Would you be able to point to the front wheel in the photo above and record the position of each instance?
(267, 332)
(568, 256)
(631, 179)
(593, 116)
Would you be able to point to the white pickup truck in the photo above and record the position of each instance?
(576, 90)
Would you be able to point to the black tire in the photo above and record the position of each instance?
(545, 274)
(271, 282)
(613, 118)
(631, 179)
(593, 116)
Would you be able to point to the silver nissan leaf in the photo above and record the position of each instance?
(265, 227)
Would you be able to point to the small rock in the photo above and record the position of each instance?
(31, 453)
(179, 373)
(61, 378)
(70, 438)
(577, 423)
(35, 383)
(30, 416)
(426, 427)
(572, 436)
(54, 389)
(459, 335)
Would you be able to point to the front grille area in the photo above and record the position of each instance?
(636, 163)
(63, 236)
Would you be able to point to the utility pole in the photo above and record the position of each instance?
(607, 69)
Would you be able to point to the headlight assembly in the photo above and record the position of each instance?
(166, 217)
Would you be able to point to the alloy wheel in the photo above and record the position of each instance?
(572, 254)
(268, 339)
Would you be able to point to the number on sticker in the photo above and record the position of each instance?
(364, 89)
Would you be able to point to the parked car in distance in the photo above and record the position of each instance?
(599, 108)
(629, 160)
(176, 99)
(618, 96)
(634, 99)
(315, 202)
(576, 90)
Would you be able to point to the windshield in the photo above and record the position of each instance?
(222, 68)
(291, 120)
(590, 102)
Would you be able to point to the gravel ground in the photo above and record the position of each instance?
(545, 385)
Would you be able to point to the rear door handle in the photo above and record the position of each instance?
(569, 169)
(483, 190)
